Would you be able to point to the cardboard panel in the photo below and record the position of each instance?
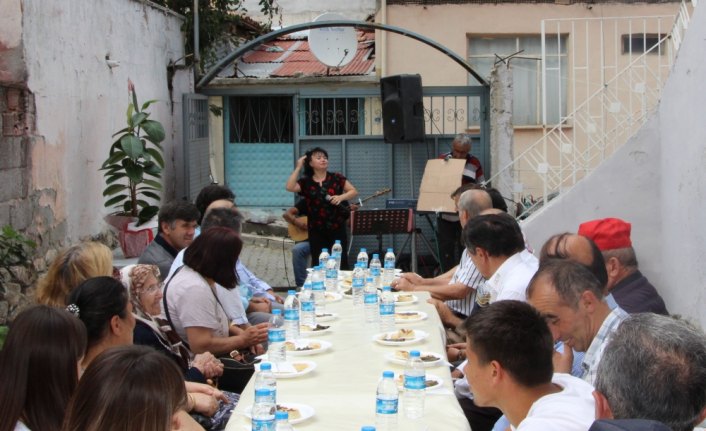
(441, 178)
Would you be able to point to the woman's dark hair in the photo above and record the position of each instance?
(308, 170)
(213, 254)
(39, 367)
(98, 300)
(210, 194)
(127, 388)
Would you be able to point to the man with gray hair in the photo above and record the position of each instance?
(457, 286)
(448, 224)
(654, 368)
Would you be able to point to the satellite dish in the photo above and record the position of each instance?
(333, 46)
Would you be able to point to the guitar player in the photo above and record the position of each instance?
(301, 252)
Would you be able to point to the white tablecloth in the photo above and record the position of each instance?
(342, 387)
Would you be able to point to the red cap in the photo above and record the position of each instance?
(607, 233)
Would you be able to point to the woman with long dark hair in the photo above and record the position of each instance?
(326, 194)
(39, 368)
(130, 388)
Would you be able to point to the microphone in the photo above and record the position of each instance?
(448, 157)
(340, 205)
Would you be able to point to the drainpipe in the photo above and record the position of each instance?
(383, 39)
(197, 53)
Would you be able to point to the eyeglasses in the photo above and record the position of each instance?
(152, 289)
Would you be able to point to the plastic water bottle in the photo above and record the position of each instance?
(386, 403)
(414, 387)
(337, 252)
(308, 314)
(265, 380)
(282, 419)
(331, 275)
(363, 258)
(358, 285)
(317, 286)
(376, 269)
(291, 315)
(323, 257)
(263, 411)
(387, 310)
(370, 303)
(276, 338)
(388, 273)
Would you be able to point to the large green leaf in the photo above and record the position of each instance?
(115, 200)
(157, 155)
(147, 214)
(154, 130)
(110, 179)
(134, 171)
(114, 158)
(127, 129)
(149, 194)
(152, 169)
(132, 146)
(156, 184)
(138, 118)
(148, 103)
(130, 111)
(142, 203)
(113, 189)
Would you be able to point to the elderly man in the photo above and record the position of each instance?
(497, 248)
(626, 284)
(571, 300)
(448, 224)
(177, 223)
(457, 286)
(509, 349)
(654, 368)
(577, 248)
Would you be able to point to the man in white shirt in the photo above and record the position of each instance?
(497, 248)
(509, 349)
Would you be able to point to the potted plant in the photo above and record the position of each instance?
(132, 173)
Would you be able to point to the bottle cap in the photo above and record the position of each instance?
(414, 354)
(338, 241)
(388, 374)
(281, 415)
(389, 250)
(376, 256)
(265, 366)
(367, 428)
(386, 289)
(363, 250)
(324, 250)
(291, 292)
(276, 311)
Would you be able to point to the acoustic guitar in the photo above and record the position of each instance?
(297, 234)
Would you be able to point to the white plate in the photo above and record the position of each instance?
(304, 333)
(305, 411)
(305, 342)
(327, 317)
(399, 379)
(409, 301)
(333, 296)
(419, 335)
(310, 366)
(397, 360)
(412, 316)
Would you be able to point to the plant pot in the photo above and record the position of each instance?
(132, 242)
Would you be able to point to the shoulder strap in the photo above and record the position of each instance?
(166, 308)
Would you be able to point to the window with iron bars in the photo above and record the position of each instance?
(331, 116)
(261, 119)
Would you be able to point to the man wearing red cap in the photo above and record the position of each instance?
(626, 284)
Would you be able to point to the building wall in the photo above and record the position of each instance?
(656, 181)
(79, 102)
(297, 11)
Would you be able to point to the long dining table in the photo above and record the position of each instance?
(342, 388)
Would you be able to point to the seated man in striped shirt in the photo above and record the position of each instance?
(456, 287)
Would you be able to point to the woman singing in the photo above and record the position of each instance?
(324, 193)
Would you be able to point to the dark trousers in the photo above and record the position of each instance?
(320, 239)
(480, 418)
(449, 244)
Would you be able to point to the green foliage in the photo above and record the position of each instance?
(217, 19)
(134, 162)
(15, 248)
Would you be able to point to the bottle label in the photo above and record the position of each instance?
(414, 382)
(318, 285)
(267, 424)
(370, 298)
(386, 407)
(387, 308)
(308, 306)
(331, 273)
(390, 264)
(275, 335)
(375, 271)
(358, 283)
(271, 396)
(291, 314)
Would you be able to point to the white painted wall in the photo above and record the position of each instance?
(656, 181)
(298, 11)
(81, 102)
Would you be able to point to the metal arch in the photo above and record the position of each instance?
(233, 56)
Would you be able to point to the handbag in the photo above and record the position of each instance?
(237, 369)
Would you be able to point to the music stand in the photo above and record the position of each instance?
(381, 222)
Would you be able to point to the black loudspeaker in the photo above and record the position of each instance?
(402, 109)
